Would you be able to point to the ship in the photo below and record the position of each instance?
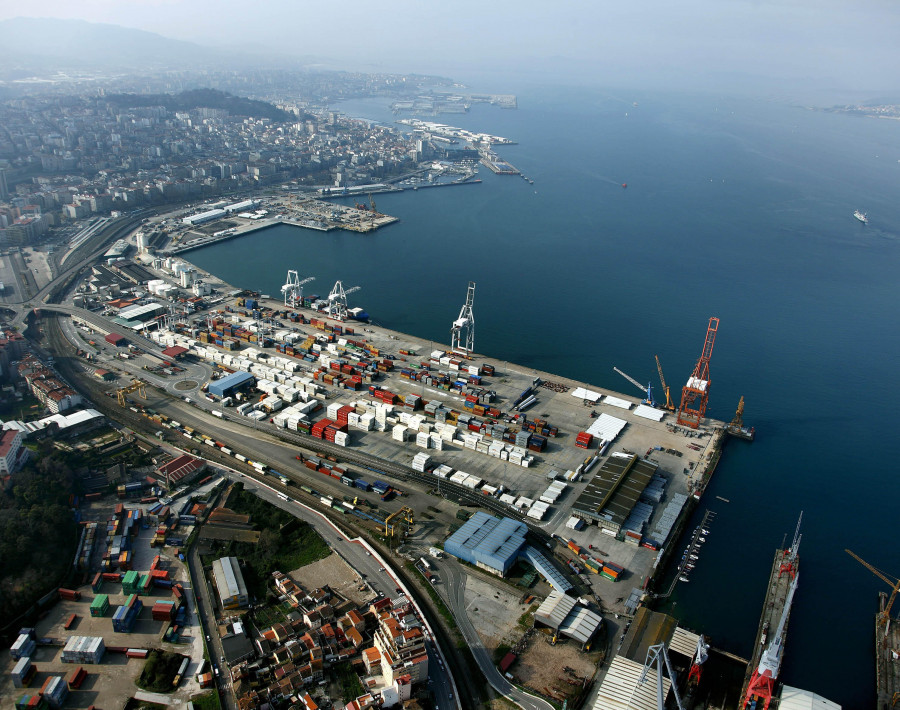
(768, 651)
(861, 216)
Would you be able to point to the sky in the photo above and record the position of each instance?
(826, 42)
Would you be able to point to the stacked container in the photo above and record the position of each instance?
(420, 461)
(83, 649)
(127, 614)
(23, 672)
(584, 440)
(100, 605)
(164, 610)
(55, 691)
(23, 647)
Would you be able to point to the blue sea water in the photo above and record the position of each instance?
(734, 208)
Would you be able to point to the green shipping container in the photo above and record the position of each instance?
(608, 576)
(100, 605)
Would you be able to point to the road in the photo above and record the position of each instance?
(206, 615)
(452, 590)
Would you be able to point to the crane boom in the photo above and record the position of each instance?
(662, 381)
(648, 391)
(894, 583)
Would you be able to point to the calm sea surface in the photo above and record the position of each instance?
(734, 208)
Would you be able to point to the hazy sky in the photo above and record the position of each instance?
(830, 42)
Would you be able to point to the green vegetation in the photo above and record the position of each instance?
(159, 671)
(204, 98)
(500, 652)
(266, 616)
(526, 621)
(38, 533)
(285, 543)
(29, 408)
(207, 701)
(351, 688)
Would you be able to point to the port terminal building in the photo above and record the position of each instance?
(494, 544)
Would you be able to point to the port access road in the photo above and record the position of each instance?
(453, 591)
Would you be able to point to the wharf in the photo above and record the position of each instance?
(773, 608)
(314, 214)
(887, 665)
(497, 165)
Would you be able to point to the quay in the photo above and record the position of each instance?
(887, 663)
(496, 164)
(768, 647)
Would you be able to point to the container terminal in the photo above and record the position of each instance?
(531, 443)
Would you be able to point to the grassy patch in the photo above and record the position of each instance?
(207, 701)
(159, 671)
(264, 617)
(285, 543)
(526, 621)
(351, 688)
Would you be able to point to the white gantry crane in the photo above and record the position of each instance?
(337, 301)
(657, 655)
(648, 390)
(293, 288)
(462, 334)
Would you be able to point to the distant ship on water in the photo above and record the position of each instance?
(861, 216)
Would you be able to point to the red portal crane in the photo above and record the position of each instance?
(695, 394)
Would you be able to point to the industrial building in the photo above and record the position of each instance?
(230, 384)
(241, 206)
(230, 583)
(612, 494)
(180, 470)
(494, 544)
(567, 617)
(135, 316)
(202, 217)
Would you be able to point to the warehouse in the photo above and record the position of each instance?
(202, 217)
(140, 314)
(567, 618)
(230, 384)
(230, 583)
(493, 544)
(180, 470)
(612, 494)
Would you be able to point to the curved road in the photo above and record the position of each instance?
(453, 591)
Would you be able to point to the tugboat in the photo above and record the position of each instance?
(861, 216)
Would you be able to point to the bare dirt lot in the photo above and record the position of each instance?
(494, 611)
(542, 666)
(334, 573)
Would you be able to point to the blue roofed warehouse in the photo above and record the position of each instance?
(230, 384)
(493, 544)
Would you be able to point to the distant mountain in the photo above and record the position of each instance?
(42, 44)
(203, 98)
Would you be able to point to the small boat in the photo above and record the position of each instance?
(705, 531)
(624, 184)
(861, 216)
(695, 557)
(701, 539)
(683, 579)
(689, 566)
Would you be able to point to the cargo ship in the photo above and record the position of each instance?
(861, 216)
(768, 651)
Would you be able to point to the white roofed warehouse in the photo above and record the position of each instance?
(230, 583)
